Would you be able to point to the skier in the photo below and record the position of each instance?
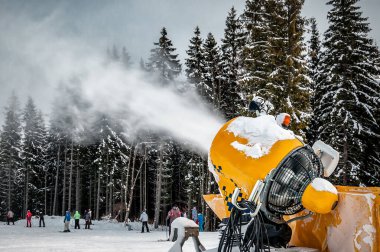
(173, 214)
(66, 220)
(29, 219)
(90, 214)
(10, 217)
(41, 215)
(76, 218)
(200, 222)
(87, 219)
(144, 219)
(194, 215)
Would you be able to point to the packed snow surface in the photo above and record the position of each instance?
(320, 184)
(261, 132)
(103, 236)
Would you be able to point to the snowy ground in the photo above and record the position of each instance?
(104, 236)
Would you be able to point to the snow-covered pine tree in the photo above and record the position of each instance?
(256, 66)
(34, 155)
(274, 66)
(111, 160)
(162, 59)
(11, 167)
(288, 83)
(55, 160)
(298, 81)
(314, 51)
(347, 95)
(195, 61)
(230, 101)
(42, 168)
(210, 85)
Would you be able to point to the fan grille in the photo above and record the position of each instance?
(290, 179)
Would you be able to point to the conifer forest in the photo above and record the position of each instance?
(329, 83)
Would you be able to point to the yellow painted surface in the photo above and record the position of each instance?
(217, 205)
(354, 225)
(318, 201)
(235, 169)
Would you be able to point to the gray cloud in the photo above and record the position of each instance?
(27, 26)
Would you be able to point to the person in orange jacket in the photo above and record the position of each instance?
(29, 219)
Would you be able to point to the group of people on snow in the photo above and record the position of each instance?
(77, 216)
(173, 214)
(87, 216)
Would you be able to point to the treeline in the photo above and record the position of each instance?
(329, 86)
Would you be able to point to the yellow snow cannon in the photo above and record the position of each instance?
(255, 159)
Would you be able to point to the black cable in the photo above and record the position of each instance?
(257, 238)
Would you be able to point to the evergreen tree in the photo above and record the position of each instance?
(256, 66)
(111, 160)
(11, 166)
(347, 95)
(195, 61)
(288, 82)
(210, 86)
(273, 58)
(34, 154)
(313, 64)
(162, 59)
(230, 63)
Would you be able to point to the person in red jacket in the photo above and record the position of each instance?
(173, 214)
(29, 219)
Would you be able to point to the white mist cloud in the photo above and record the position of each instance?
(44, 59)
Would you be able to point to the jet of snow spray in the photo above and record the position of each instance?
(47, 61)
(143, 104)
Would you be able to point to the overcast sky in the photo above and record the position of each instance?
(96, 24)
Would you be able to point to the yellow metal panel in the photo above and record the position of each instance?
(354, 225)
(216, 203)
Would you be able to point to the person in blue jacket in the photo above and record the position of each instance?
(200, 222)
(67, 221)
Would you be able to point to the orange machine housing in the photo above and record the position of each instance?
(235, 169)
(354, 225)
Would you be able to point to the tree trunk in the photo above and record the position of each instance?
(107, 183)
(127, 183)
(129, 203)
(157, 205)
(202, 189)
(345, 157)
(144, 185)
(9, 187)
(64, 182)
(110, 197)
(71, 173)
(77, 188)
(190, 191)
(141, 192)
(208, 212)
(56, 183)
(90, 191)
(26, 187)
(45, 212)
(98, 197)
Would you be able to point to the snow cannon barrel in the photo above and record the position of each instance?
(246, 150)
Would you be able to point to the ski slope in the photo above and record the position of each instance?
(104, 236)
